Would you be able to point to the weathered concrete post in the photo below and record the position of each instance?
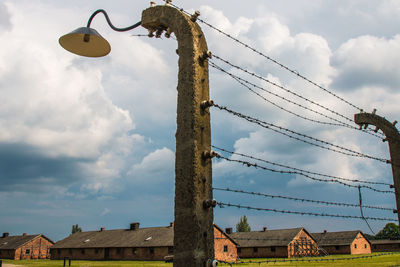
(393, 138)
(193, 228)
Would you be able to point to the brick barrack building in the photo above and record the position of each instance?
(283, 243)
(345, 242)
(24, 247)
(135, 243)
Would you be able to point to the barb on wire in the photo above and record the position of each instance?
(310, 259)
(247, 84)
(281, 87)
(301, 199)
(288, 132)
(222, 204)
(301, 170)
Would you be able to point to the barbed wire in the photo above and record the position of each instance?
(249, 164)
(222, 204)
(309, 259)
(281, 87)
(280, 129)
(301, 170)
(246, 84)
(301, 199)
(361, 210)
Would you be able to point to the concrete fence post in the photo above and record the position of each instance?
(393, 139)
(193, 228)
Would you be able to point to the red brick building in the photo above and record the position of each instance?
(345, 242)
(283, 243)
(24, 247)
(385, 245)
(153, 243)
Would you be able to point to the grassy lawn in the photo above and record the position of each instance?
(386, 260)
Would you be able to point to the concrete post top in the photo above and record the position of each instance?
(370, 118)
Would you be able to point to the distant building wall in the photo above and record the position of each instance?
(37, 248)
(388, 246)
(224, 248)
(263, 252)
(142, 253)
(302, 246)
(360, 245)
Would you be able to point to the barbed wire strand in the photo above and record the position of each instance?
(276, 239)
(222, 204)
(281, 87)
(301, 170)
(301, 199)
(310, 259)
(280, 129)
(246, 84)
(249, 164)
(361, 210)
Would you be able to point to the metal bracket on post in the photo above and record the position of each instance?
(392, 136)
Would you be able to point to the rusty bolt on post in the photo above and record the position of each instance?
(195, 16)
(205, 55)
(209, 154)
(209, 203)
(206, 104)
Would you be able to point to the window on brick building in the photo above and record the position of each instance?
(151, 250)
(59, 251)
(273, 249)
(118, 250)
(337, 247)
(365, 245)
(239, 250)
(83, 251)
(70, 251)
(225, 248)
(399, 245)
(255, 250)
(170, 250)
(96, 251)
(355, 245)
(27, 251)
(133, 250)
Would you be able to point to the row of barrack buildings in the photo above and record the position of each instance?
(156, 243)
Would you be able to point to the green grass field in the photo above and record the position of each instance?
(392, 260)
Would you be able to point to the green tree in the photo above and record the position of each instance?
(76, 229)
(243, 225)
(390, 231)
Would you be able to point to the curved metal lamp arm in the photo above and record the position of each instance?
(109, 22)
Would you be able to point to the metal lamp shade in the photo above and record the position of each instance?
(86, 42)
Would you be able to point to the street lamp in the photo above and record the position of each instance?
(87, 42)
(193, 212)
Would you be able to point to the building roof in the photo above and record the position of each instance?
(281, 237)
(14, 242)
(337, 238)
(142, 237)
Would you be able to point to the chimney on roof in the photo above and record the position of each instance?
(228, 230)
(5, 234)
(325, 231)
(24, 234)
(134, 226)
(171, 224)
(265, 229)
(102, 229)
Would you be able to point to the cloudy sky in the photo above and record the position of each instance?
(91, 141)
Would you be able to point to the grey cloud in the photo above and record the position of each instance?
(25, 168)
(5, 18)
